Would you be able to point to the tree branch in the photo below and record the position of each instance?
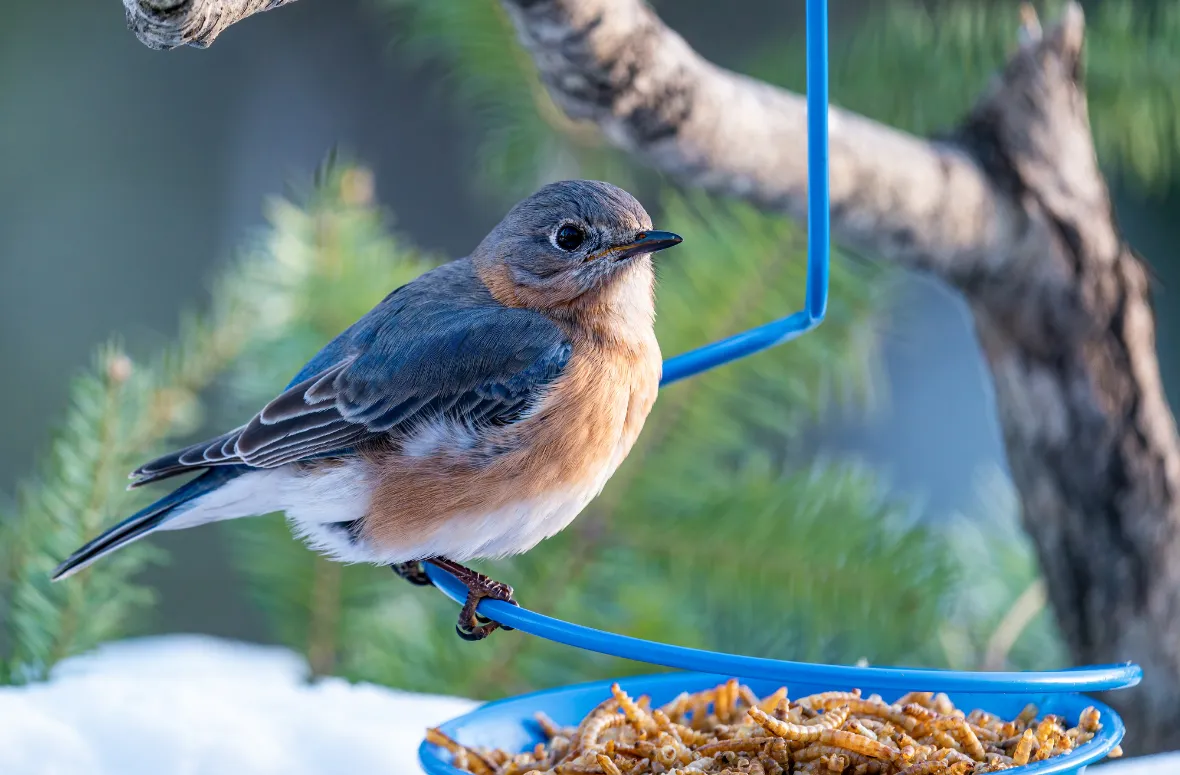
(1091, 441)
(920, 204)
(167, 24)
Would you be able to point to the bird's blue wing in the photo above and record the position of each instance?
(481, 364)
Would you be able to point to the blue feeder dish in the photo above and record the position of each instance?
(510, 725)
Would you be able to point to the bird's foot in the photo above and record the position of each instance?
(471, 625)
(412, 572)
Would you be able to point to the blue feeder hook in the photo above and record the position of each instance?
(818, 227)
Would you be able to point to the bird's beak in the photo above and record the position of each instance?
(645, 242)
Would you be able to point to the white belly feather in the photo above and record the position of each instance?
(319, 501)
(320, 496)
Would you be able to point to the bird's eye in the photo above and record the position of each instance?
(569, 237)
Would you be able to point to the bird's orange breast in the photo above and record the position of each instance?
(473, 491)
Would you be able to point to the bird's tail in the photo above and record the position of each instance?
(141, 523)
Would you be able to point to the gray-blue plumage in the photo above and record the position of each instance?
(467, 357)
(440, 345)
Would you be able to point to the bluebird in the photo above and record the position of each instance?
(471, 414)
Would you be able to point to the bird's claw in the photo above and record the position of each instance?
(412, 572)
(474, 626)
(471, 625)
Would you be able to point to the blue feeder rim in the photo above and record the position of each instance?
(1081, 680)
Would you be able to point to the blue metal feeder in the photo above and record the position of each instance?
(508, 724)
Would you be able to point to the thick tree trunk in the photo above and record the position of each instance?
(1011, 210)
(1069, 336)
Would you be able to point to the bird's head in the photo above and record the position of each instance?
(572, 241)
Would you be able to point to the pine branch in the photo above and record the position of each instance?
(118, 370)
(120, 414)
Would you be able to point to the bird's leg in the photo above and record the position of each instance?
(412, 572)
(471, 625)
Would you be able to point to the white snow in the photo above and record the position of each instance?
(193, 705)
(1160, 764)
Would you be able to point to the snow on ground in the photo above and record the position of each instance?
(1160, 764)
(189, 705)
(192, 705)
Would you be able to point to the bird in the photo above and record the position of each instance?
(472, 413)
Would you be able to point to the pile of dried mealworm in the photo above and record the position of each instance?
(728, 730)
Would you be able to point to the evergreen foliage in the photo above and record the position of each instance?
(120, 413)
(79, 486)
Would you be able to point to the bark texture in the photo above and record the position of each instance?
(1010, 209)
(165, 24)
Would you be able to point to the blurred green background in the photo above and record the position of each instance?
(133, 181)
